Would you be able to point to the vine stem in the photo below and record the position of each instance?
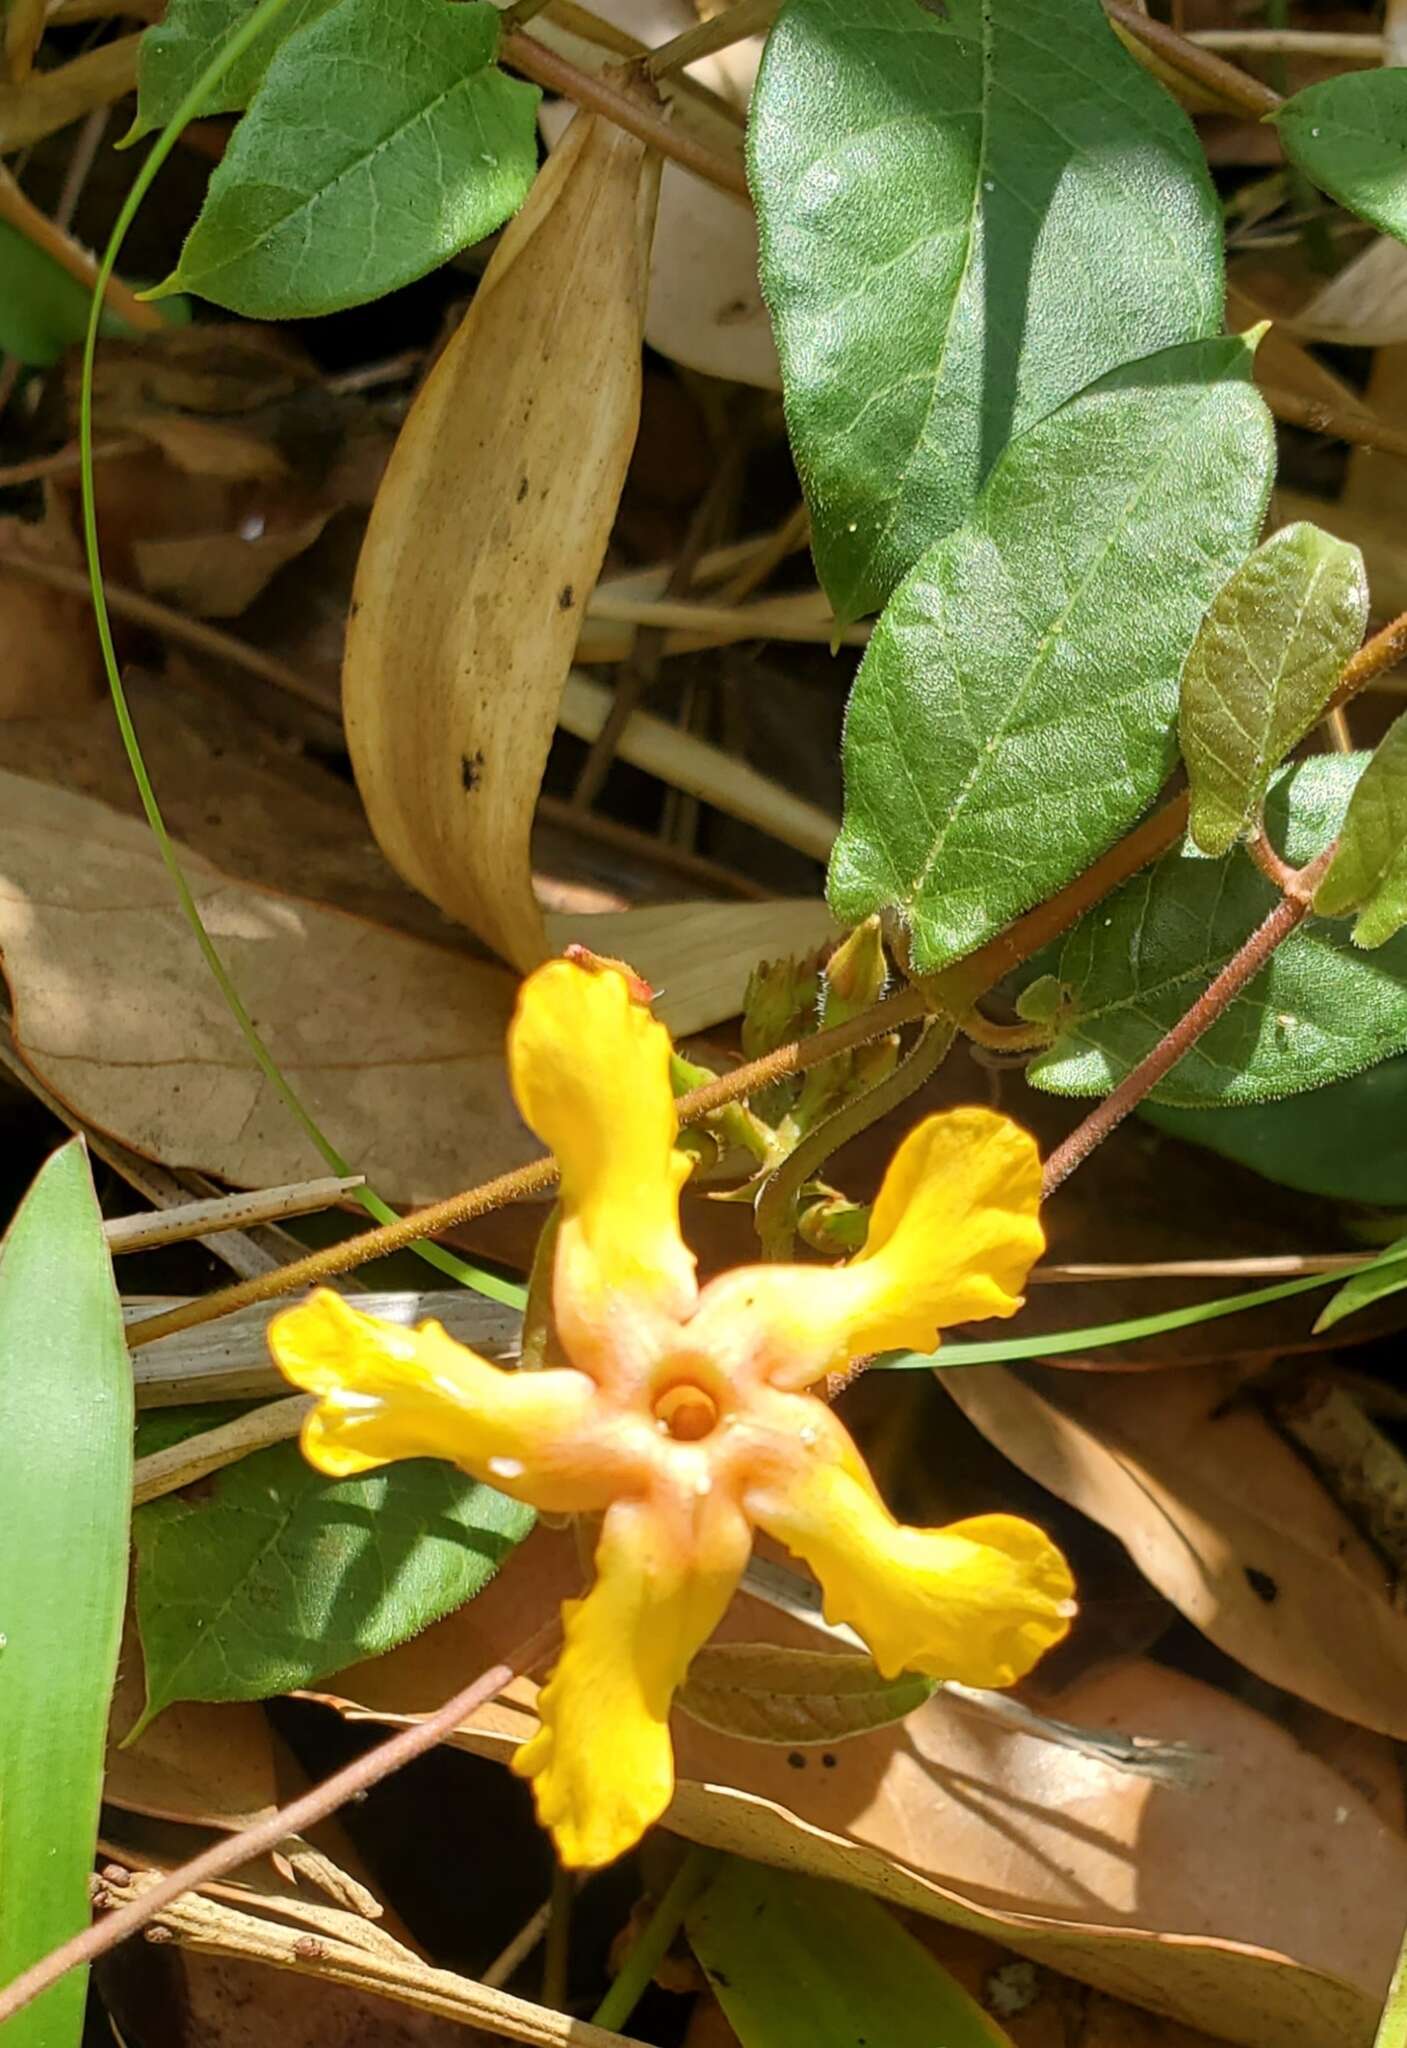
(544, 67)
(294, 1819)
(1243, 967)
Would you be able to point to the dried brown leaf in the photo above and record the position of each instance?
(48, 100)
(488, 532)
(1221, 1515)
(1263, 1905)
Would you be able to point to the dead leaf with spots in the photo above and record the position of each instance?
(1220, 1514)
(1262, 1904)
(488, 533)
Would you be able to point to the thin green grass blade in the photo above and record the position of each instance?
(1098, 1336)
(65, 1505)
(228, 54)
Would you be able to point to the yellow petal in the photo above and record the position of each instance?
(602, 1765)
(590, 1073)
(979, 1601)
(386, 1392)
(952, 1236)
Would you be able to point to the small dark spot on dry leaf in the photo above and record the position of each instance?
(1262, 1585)
(471, 770)
(566, 597)
(796, 1760)
(522, 490)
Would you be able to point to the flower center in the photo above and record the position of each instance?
(686, 1413)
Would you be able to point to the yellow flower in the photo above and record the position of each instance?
(683, 1420)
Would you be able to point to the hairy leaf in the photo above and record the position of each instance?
(383, 139)
(267, 1576)
(1369, 872)
(968, 212)
(766, 1693)
(1014, 711)
(1349, 135)
(1347, 1140)
(176, 49)
(1318, 1011)
(795, 1961)
(1262, 669)
(65, 1500)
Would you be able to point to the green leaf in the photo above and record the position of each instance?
(1317, 1012)
(1369, 872)
(799, 1963)
(765, 1693)
(43, 310)
(65, 1501)
(968, 213)
(1347, 1141)
(1372, 1283)
(1014, 711)
(268, 1576)
(1349, 135)
(383, 139)
(177, 49)
(1262, 669)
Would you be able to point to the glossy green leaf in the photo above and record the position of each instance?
(968, 213)
(1318, 1011)
(1015, 709)
(1262, 669)
(65, 1504)
(1347, 1141)
(1369, 872)
(268, 1576)
(176, 49)
(764, 1692)
(383, 139)
(1349, 134)
(799, 1963)
(1361, 1290)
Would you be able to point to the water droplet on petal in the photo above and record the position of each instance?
(506, 1468)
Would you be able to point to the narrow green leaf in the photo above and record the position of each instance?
(1369, 872)
(1349, 135)
(1318, 1011)
(1347, 1141)
(267, 1576)
(799, 1963)
(1014, 711)
(1262, 668)
(1100, 1336)
(176, 49)
(65, 1501)
(1363, 1288)
(767, 1693)
(382, 140)
(968, 213)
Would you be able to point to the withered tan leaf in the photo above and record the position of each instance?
(394, 1043)
(1263, 1905)
(49, 100)
(1221, 1515)
(489, 531)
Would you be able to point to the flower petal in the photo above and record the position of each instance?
(386, 1392)
(953, 1234)
(602, 1765)
(590, 1073)
(979, 1601)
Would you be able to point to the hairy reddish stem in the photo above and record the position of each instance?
(1290, 912)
